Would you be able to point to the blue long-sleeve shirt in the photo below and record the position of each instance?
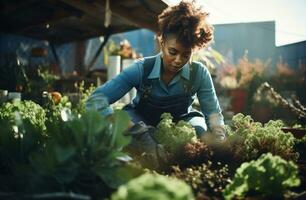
(132, 76)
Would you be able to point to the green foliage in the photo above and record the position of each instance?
(269, 176)
(40, 80)
(209, 57)
(174, 136)
(84, 148)
(15, 146)
(53, 110)
(79, 107)
(47, 77)
(257, 139)
(80, 155)
(205, 179)
(24, 110)
(152, 187)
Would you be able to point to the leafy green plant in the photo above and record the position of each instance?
(83, 152)
(206, 180)
(256, 139)
(53, 109)
(24, 110)
(82, 155)
(47, 77)
(41, 79)
(269, 176)
(78, 107)
(174, 136)
(15, 146)
(154, 186)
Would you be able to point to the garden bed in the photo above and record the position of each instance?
(50, 150)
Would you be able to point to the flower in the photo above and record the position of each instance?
(240, 75)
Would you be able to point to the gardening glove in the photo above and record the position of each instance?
(143, 145)
(216, 124)
(218, 133)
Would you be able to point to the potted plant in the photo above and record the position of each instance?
(112, 59)
(237, 78)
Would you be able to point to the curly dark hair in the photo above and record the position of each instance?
(188, 23)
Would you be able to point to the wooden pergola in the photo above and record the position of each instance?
(62, 21)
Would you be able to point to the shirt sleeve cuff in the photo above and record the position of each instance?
(107, 111)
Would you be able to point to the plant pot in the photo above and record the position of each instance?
(113, 69)
(261, 113)
(238, 99)
(14, 96)
(39, 52)
(132, 93)
(296, 132)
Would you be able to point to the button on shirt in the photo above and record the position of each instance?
(132, 77)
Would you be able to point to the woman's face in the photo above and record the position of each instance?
(175, 55)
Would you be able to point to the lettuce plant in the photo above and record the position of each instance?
(256, 139)
(174, 136)
(152, 187)
(269, 176)
(16, 111)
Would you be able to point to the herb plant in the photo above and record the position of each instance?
(79, 107)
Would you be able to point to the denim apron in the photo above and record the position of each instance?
(151, 106)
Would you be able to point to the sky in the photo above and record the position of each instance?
(289, 15)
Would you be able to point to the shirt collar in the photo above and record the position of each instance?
(155, 73)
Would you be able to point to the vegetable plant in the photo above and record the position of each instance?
(16, 111)
(269, 176)
(256, 139)
(82, 155)
(152, 187)
(174, 135)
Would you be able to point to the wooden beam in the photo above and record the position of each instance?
(91, 9)
(122, 12)
(97, 10)
(50, 20)
(10, 7)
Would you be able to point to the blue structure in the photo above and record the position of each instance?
(20, 47)
(231, 40)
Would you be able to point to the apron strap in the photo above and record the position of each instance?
(192, 80)
(148, 67)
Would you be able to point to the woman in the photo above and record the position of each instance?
(169, 81)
